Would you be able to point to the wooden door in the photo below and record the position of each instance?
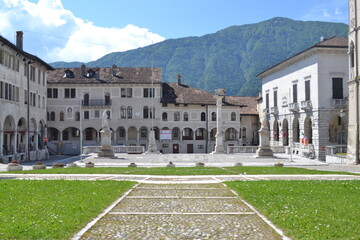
(175, 148)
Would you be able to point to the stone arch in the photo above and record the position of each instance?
(336, 127)
(230, 134)
(70, 134)
(175, 133)
(132, 133)
(213, 134)
(200, 134)
(121, 134)
(143, 133)
(90, 134)
(187, 134)
(285, 132)
(276, 130)
(296, 130)
(53, 134)
(9, 135)
(308, 130)
(21, 135)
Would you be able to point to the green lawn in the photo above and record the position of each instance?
(54, 209)
(307, 209)
(180, 170)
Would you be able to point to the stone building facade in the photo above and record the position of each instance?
(23, 84)
(353, 82)
(304, 98)
(136, 100)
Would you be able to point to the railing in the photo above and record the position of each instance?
(338, 102)
(274, 110)
(294, 107)
(306, 105)
(116, 149)
(336, 149)
(96, 102)
(252, 149)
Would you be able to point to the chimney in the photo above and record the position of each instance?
(19, 39)
(179, 78)
(113, 70)
(83, 70)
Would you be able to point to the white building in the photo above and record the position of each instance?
(22, 115)
(305, 98)
(136, 99)
(353, 146)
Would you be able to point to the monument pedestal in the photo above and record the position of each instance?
(219, 146)
(106, 149)
(264, 149)
(152, 149)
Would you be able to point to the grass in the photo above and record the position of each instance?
(54, 209)
(307, 209)
(180, 171)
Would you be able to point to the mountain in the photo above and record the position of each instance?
(230, 58)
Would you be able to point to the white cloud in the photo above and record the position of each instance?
(80, 40)
(328, 10)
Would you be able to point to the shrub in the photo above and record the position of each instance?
(13, 163)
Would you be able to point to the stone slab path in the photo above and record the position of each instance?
(180, 211)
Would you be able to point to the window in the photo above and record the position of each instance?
(267, 100)
(1, 89)
(143, 132)
(164, 116)
(295, 93)
(107, 99)
(164, 104)
(129, 92)
(77, 116)
(152, 112)
(129, 112)
(213, 116)
(352, 55)
(275, 98)
(149, 92)
(61, 116)
(233, 116)
(97, 114)
(186, 117)
(86, 99)
(65, 135)
(52, 116)
(123, 92)
(70, 93)
(52, 93)
(122, 132)
(109, 114)
(337, 88)
(307, 90)
(123, 112)
(86, 115)
(39, 76)
(145, 112)
(32, 73)
(176, 116)
(75, 132)
(203, 117)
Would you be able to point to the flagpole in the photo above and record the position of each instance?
(81, 132)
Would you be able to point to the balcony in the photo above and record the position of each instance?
(337, 103)
(306, 105)
(294, 107)
(96, 102)
(266, 111)
(274, 110)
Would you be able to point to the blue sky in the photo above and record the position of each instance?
(84, 30)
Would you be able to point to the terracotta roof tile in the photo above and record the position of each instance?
(249, 103)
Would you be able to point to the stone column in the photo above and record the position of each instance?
(36, 141)
(15, 142)
(219, 141)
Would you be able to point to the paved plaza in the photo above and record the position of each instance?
(183, 207)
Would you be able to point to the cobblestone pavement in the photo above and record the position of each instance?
(181, 211)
